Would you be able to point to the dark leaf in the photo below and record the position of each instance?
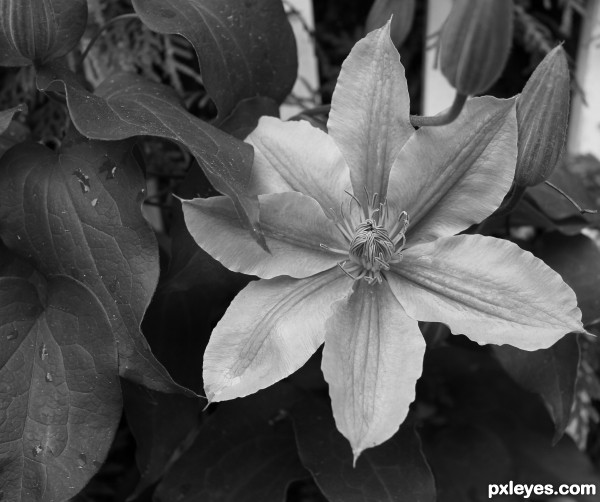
(160, 423)
(191, 267)
(245, 48)
(244, 118)
(128, 105)
(577, 259)
(60, 400)
(393, 471)
(551, 373)
(472, 389)
(535, 459)
(6, 116)
(77, 214)
(465, 459)
(244, 452)
(191, 298)
(15, 133)
(562, 215)
(34, 32)
(11, 132)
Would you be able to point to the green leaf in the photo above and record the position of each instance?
(244, 452)
(77, 213)
(551, 373)
(60, 399)
(245, 49)
(127, 105)
(36, 31)
(394, 471)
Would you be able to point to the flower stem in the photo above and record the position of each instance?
(444, 118)
(102, 30)
(570, 199)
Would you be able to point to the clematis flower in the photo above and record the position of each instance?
(361, 226)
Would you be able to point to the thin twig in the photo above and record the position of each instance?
(577, 206)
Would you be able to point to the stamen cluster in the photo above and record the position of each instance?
(375, 242)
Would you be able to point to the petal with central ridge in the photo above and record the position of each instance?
(487, 289)
(294, 226)
(372, 358)
(449, 177)
(297, 157)
(269, 331)
(369, 118)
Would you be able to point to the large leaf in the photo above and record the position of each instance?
(469, 389)
(465, 459)
(244, 452)
(35, 31)
(395, 471)
(77, 214)
(178, 324)
(60, 400)
(160, 423)
(245, 49)
(127, 105)
(551, 373)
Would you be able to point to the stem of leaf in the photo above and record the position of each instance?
(102, 30)
(570, 199)
(444, 118)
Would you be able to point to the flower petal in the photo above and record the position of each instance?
(297, 157)
(369, 117)
(294, 226)
(487, 289)
(269, 331)
(372, 359)
(452, 176)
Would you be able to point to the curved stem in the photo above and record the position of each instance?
(442, 119)
(577, 206)
(102, 30)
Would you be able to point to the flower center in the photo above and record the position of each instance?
(375, 243)
(371, 246)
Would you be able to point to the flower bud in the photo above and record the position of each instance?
(475, 42)
(403, 12)
(34, 31)
(542, 118)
